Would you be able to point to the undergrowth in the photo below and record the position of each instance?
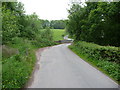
(16, 69)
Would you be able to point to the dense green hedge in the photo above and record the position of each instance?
(105, 57)
(43, 43)
(99, 52)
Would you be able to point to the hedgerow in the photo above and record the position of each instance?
(98, 52)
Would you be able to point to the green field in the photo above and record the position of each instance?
(57, 34)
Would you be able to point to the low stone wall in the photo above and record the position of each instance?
(8, 51)
(64, 41)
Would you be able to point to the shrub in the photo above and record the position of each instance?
(98, 52)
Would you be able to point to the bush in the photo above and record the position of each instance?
(98, 52)
(10, 28)
(45, 38)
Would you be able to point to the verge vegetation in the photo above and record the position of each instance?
(105, 58)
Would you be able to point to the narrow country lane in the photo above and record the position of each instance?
(59, 67)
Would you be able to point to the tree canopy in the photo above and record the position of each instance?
(54, 24)
(96, 22)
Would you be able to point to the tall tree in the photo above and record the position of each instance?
(96, 22)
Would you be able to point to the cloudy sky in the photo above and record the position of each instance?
(47, 9)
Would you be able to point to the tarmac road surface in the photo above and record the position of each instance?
(59, 67)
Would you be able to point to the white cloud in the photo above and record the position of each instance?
(47, 9)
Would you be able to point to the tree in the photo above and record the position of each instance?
(32, 26)
(96, 22)
(10, 27)
(57, 24)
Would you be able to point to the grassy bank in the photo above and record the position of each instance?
(58, 34)
(17, 68)
(18, 61)
(104, 58)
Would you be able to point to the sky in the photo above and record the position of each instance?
(47, 9)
